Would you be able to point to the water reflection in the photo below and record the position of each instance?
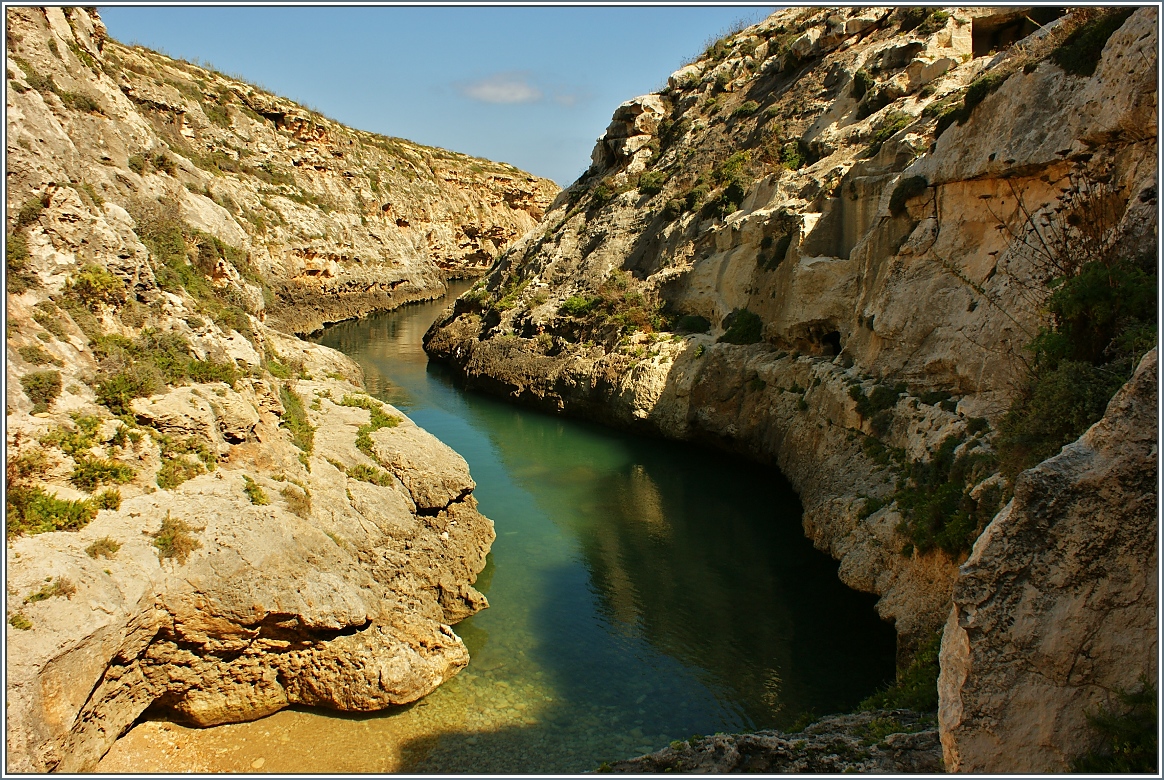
(641, 590)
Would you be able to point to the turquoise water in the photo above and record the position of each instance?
(641, 590)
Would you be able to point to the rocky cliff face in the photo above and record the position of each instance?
(207, 518)
(1055, 612)
(337, 222)
(824, 244)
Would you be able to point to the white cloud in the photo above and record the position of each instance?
(513, 87)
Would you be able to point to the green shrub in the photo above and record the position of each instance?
(19, 279)
(110, 498)
(19, 621)
(907, 188)
(32, 511)
(105, 547)
(175, 471)
(75, 439)
(366, 473)
(934, 22)
(173, 539)
(90, 472)
(1130, 737)
(1080, 52)
(746, 108)
(37, 356)
(891, 124)
(934, 498)
(295, 420)
(862, 82)
(217, 114)
(137, 163)
(255, 492)
(651, 182)
(30, 211)
(60, 586)
(48, 317)
(743, 327)
(94, 285)
(916, 687)
(79, 102)
(42, 388)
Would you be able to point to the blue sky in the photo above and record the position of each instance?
(532, 86)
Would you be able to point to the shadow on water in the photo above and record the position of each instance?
(641, 590)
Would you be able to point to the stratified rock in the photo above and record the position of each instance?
(1055, 611)
(884, 741)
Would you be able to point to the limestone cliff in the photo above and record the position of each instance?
(826, 244)
(337, 222)
(206, 517)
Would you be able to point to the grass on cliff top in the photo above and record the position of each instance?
(378, 419)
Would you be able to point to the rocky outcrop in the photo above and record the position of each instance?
(884, 741)
(850, 195)
(332, 222)
(298, 581)
(1055, 611)
(208, 519)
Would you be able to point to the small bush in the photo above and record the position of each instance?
(366, 473)
(916, 687)
(298, 500)
(90, 472)
(37, 356)
(105, 547)
(61, 586)
(33, 511)
(175, 471)
(110, 498)
(746, 108)
(173, 539)
(579, 306)
(906, 189)
(76, 439)
(19, 279)
(30, 211)
(651, 182)
(42, 388)
(255, 492)
(137, 163)
(94, 285)
(743, 327)
(295, 420)
(893, 123)
(20, 621)
(1130, 737)
(862, 82)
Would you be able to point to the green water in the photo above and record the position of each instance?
(641, 590)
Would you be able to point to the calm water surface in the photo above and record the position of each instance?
(641, 590)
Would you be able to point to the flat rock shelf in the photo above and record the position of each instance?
(641, 591)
